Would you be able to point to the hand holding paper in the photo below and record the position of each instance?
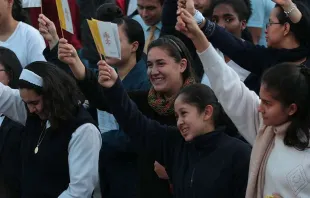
(106, 38)
(107, 75)
(68, 55)
(48, 31)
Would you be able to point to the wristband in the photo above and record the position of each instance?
(198, 17)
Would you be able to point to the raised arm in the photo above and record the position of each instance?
(157, 138)
(258, 58)
(238, 101)
(11, 104)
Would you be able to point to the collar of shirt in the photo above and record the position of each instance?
(158, 26)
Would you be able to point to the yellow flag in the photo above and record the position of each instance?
(64, 14)
(93, 26)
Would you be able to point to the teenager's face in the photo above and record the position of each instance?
(225, 16)
(190, 122)
(127, 49)
(34, 102)
(164, 72)
(150, 11)
(4, 77)
(273, 112)
(275, 32)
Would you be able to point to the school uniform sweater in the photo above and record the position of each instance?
(287, 169)
(212, 165)
(149, 184)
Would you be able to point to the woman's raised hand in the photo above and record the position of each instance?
(107, 75)
(188, 5)
(288, 6)
(48, 30)
(283, 3)
(67, 53)
(187, 24)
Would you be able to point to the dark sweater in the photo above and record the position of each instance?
(254, 58)
(11, 135)
(46, 174)
(149, 185)
(212, 165)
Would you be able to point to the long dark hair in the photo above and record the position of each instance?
(301, 30)
(12, 66)
(18, 13)
(200, 95)
(290, 84)
(61, 96)
(176, 49)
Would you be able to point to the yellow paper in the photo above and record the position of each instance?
(96, 35)
(64, 15)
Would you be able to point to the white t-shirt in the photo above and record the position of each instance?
(27, 43)
(261, 10)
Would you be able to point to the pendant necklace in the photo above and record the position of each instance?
(42, 135)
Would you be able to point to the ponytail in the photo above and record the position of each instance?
(18, 13)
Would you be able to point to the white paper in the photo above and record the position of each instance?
(31, 3)
(68, 18)
(117, 39)
(108, 39)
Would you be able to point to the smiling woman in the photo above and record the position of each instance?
(204, 161)
(169, 69)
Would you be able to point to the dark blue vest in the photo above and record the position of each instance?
(46, 174)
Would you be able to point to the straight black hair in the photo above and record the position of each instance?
(290, 84)
(61, 95)
(12, 66)
(200, 95)
(176, 49)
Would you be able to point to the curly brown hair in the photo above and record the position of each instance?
(61, 95)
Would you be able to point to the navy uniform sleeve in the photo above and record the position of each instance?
(160, 139)
(254, 58)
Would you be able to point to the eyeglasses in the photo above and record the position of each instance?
(271, 23)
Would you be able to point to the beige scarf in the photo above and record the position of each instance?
(262, 148)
